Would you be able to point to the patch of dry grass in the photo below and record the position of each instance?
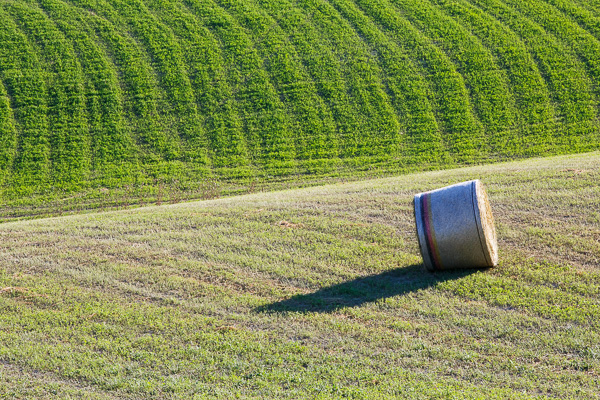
(310, 293)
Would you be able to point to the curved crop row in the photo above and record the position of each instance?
(582, 43)
(166, 56)
(112, 92)
(266, 124)
(144, 105)
(25, 83)
(463, 133)
(8, 135)
(322, 65)
(213, 94)
(592, 5)
(378, 130)
(580, 12)
(311, 120)
(408, 91)
(565, 76)
(109, 136)
(69, 138)
(534, 110)
(492, 102)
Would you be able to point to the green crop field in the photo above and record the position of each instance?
(137, 96)
(309, 293)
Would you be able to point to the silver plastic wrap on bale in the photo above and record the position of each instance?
(455, 227)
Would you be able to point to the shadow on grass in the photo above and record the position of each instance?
(366, 289)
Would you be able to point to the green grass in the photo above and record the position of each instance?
(309, 293)
(118, 93)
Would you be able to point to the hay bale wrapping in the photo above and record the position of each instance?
(455, 227)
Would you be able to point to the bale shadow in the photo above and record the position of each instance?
(359, 291)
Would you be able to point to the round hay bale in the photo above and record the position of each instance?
(455, 227)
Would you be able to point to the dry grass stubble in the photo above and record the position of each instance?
(311, 293)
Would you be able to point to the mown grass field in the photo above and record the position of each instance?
(309, 293)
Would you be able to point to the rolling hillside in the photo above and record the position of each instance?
(317, 293)
(97, 93)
